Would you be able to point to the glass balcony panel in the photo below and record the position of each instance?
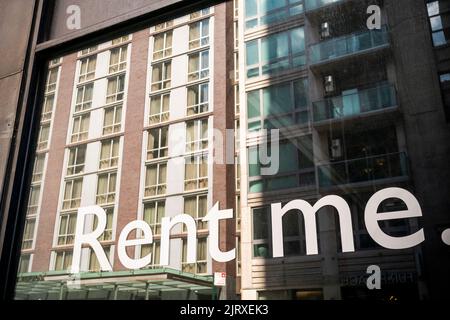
(372, 168)
(314, 4)
(353, 43)
(355, 102)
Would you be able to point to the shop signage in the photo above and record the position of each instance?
(386, 278)
(220, 279)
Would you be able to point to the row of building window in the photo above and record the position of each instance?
(198, 102)
(117, 62)
(439, 15)
(40, 158)
(196, 170)
(109, 150)
(62, 260)
(263, 12)
(275, 53)
(196, 166)
(278, 106)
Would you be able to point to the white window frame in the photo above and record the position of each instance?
(121, 64)
(236, 8)
(38, 175)
(33, 208)
(160, 187)
(155, 254)
(201, 225)
(163, 26)
(236, 35)
(78, 135)
(25, 263)
(109, 197)
(91, 264)
(116, 125)
(162, 151)
(73, 167)
(55, 62)
(72, 202)
(85, 103)
(163, 82)
(202, 71)
(166, 50)
(28, 240)
(162, 116)
(203, 39)
(237, 104)
(197, 142)
(84, 74)
(47, 110)
(117, 95)
(88, 50)
(111, 161)
(237, 168)
(200, 106)
(236, 67)
(120, 40)
(51, 86)
(67, 254)
(107, 234)
(42, 140)
(199, 182)
(194, 267)
(200, 13)
(66, 236)
(238, 212)
(156, 224)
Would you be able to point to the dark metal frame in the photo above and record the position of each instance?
(23, 146)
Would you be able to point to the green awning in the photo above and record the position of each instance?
(141, 284)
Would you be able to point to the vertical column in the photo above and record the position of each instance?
(55, 164)
(328, 249)
(132, 148)
(223, 174)
(427, 133)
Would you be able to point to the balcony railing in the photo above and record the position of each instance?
(355, 102)
(393, 165)
(314, 4)
(349, 44)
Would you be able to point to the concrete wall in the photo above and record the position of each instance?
(100, 12)
(15, 28)
(427, 132)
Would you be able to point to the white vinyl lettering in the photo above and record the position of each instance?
(371, 217)
(124, 243)
(89, 238)
(309, 214)
(213, 217)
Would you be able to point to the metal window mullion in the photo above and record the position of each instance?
(160, 146)
(197, 171)
(197, 205)
(157, 177)
(198, 127)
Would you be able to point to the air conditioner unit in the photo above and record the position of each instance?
(336, 148)
(329, 84)
(325, 30)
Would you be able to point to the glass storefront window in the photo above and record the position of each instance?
(320, 131)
